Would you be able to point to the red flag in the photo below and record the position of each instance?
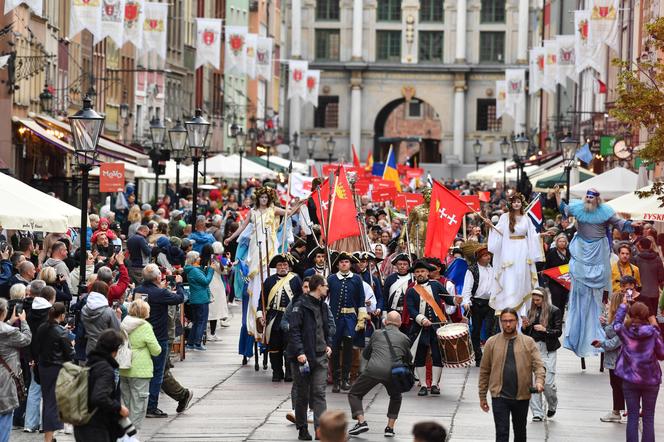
(560, 274)
(602, 86)
(343, 213)
(485, 197)
(320, 197)
(446, 213)
(314, 171)
(356, 159)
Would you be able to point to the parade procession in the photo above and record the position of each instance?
(256, 220)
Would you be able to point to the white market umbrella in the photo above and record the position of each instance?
(229, 167)
(491, 172)
(283, 162)
(647, 209)
(610, 184)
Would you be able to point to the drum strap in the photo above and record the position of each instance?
(429, 299)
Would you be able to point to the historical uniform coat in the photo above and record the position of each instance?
(278, 291)
(394, 292)
(346, 296)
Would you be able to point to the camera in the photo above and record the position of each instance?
(127, 426)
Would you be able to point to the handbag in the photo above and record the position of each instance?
(18, 381)
(403, 378)
(123, 357)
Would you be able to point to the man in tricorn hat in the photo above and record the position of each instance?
(394, 290)
(278, 291)
(319, 257)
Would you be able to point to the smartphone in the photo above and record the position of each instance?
(629, 295)
(116, 305)
(117, 249)
(18, 308)
(3, 246)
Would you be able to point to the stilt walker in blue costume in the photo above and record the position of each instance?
(590, 268)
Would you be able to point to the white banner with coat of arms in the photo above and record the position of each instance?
(112, 26)
(587, 54)
(604, 23)
(550, 65)
(566, 60)
(236, 57)
(515, 80)
(312, 83)
(264, 58)
(155, 24)
(501, 97)
(208, 42)
(536, 68)
(85, 14)
(133, 23)
(297, 72)
(250, 54)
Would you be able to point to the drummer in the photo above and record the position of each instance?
(425, 301)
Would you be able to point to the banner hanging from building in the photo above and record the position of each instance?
(312, 83)
(85, 14)
(132, 24)
(264, 58)
(501, 97)
(235, 54)
(297, 74)
(550, 65)
(604, 23)
(35, 5)
(155, 25)
(536, 66)
(586, 54)
(112, 17)
(250, 51)
(566, 61)
(208, 42)
(111, 177)
(515, 90)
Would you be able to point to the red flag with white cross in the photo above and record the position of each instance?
(446, 212)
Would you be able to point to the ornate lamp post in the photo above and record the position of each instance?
(330, 146)
(46, 100)
(477, 150)
(197, 133)
(86, 126)
(269, 137)
(504, 152)
(311, 147)
(520, 146)
(178, 138)
(568, 146)
(157, 153)
(240, 139)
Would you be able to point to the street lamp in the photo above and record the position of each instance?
(330, 146)
(504, 152)
(295, 148)
(477, 150)
(197, 133)
(568, 146)
(240, 139)
(520, 146)
(311, 146)
(86, 126)
(46, 100)
(268, 137)
(157, 153)
(178, 138)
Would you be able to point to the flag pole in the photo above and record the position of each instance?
(323, 226)
(284, 227)
(330, 201)
(487, 221)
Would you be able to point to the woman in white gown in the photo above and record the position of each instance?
(515, 250)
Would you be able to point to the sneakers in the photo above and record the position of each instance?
(550, 413)
(359, 428)
(611, 417)
(537, 419)
(184, 403)
(225, 323)
(156, 413)
(290, 416)
(303, 434)
(389, 432)
(435, 389)
(189, 347)
(200, 348)
(29, 430)
(423, 391)
(213, 337)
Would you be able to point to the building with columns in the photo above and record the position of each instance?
(432, 59)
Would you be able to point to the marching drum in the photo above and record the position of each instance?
(455, 345)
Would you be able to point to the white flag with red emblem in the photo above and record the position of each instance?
(297, 78)
(250, 50)
(35, 5)
(515, 83)
(566, 60)
(604, 23)
(536, 67)
(133, 23)
(208, 42)
(264, 58)
(155, 24)
(235, 55)
(112, 17)
(587, 54)
(313, 79)
(85, 14)
(550, 65)
(501, 98)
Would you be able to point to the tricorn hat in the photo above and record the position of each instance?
(344, 255)
(283, 257)
(403, 257)
(364, 256)
(316, 251)
(421, 264)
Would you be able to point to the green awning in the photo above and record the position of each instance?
(277, 168)
(560, 179)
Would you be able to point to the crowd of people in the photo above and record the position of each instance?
(344, 314)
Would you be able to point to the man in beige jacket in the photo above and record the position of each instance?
(508, 364)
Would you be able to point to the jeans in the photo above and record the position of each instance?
(33, 406)
(310, 390)
(363, 385)
(159, 363)
(642, 397)
(6, 426)
(502, 408)
(199, 313)
(550, 390)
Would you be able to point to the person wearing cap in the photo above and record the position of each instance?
(424, 301)
(478, 286)
(319, 255)
(394, 289)
(347, 303)
(589, 268)
(278, 291)
(365, 261)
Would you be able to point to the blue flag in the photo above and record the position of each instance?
(584, 154)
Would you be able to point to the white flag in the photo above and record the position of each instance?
(313, 80)
(604, 23)
(587, 55)
(264, 58)
(85, 14)
(300, 185)
(501, 97)
(112, 13)
(550, 65)
(515, 80)
(208, 42)
(35, 5)
(536, 65)
(250, 54)
(566, 61)
(297, 74)
(155, 25)
(133, 23)
(236, 57)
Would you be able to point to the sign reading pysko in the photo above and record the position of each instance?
(111, 177)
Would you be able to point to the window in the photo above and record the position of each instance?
(389, 10)
(492, 47)
(327, 9)
(327, 44)
(326, 114)
(431, 10)
(414, 109)
(493, 11)
(431, 46)
(486, 115)
(388, 45)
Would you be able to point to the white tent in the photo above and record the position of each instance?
(610, 184)
(490, 172)
(283, 162)
(229, 167)
(647, 209)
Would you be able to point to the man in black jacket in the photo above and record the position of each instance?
(308, 350)
(139, 253)
(545, 325)
(651, 270)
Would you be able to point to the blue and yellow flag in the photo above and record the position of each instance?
(390, 172)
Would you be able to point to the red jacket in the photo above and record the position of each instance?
(117, 290)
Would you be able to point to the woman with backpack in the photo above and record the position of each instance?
(54, 348)
(135, 381)
(103, 392)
